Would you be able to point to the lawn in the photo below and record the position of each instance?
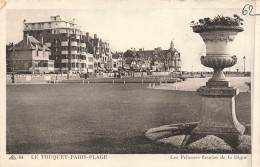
(97, 118)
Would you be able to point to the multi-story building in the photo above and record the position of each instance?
(102, 54)
(68, 43)
(29, 55)
(162, 60)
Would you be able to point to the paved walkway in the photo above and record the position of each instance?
(192, 84)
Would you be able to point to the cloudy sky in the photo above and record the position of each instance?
(142, 28)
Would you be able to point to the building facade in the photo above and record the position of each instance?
(69, 44)
(154, 60)
(101, 53)
(29, 56)
(115, 62)
(74, 51)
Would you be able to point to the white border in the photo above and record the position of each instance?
(136, 159)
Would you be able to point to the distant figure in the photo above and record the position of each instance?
(12, 77)
(86, 75)
(68, 76)
(201, 75)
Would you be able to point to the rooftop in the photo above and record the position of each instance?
(29, 43)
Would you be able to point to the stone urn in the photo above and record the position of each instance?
(218, 102)
(218, 40)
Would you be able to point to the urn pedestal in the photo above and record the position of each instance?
(218, 97)
(218, 111)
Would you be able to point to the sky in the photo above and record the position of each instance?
(143, 28)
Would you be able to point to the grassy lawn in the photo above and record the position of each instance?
(97, 118)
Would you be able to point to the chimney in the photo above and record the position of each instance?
(42, 39)
(24, 24)
(58, 18)
(27, 38)
(87, 36)
(95, 36)
(24, 36)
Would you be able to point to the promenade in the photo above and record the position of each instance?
(192, 84)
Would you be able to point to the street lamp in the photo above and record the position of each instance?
(244, 58)
(192, 70)
(13, 65)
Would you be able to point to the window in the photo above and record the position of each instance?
(64, 48)
(56, 65)
(73, 48)
(90, 59)
(44, 64)
(64, 65)
(90, 66)
(29, 64)
(25, 65)
(64, 56)
(73, 65)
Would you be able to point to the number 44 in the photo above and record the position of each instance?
(20, 157)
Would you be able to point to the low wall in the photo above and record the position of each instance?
(160, 73)
(34, 78)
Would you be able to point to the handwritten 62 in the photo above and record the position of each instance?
(248, 9)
